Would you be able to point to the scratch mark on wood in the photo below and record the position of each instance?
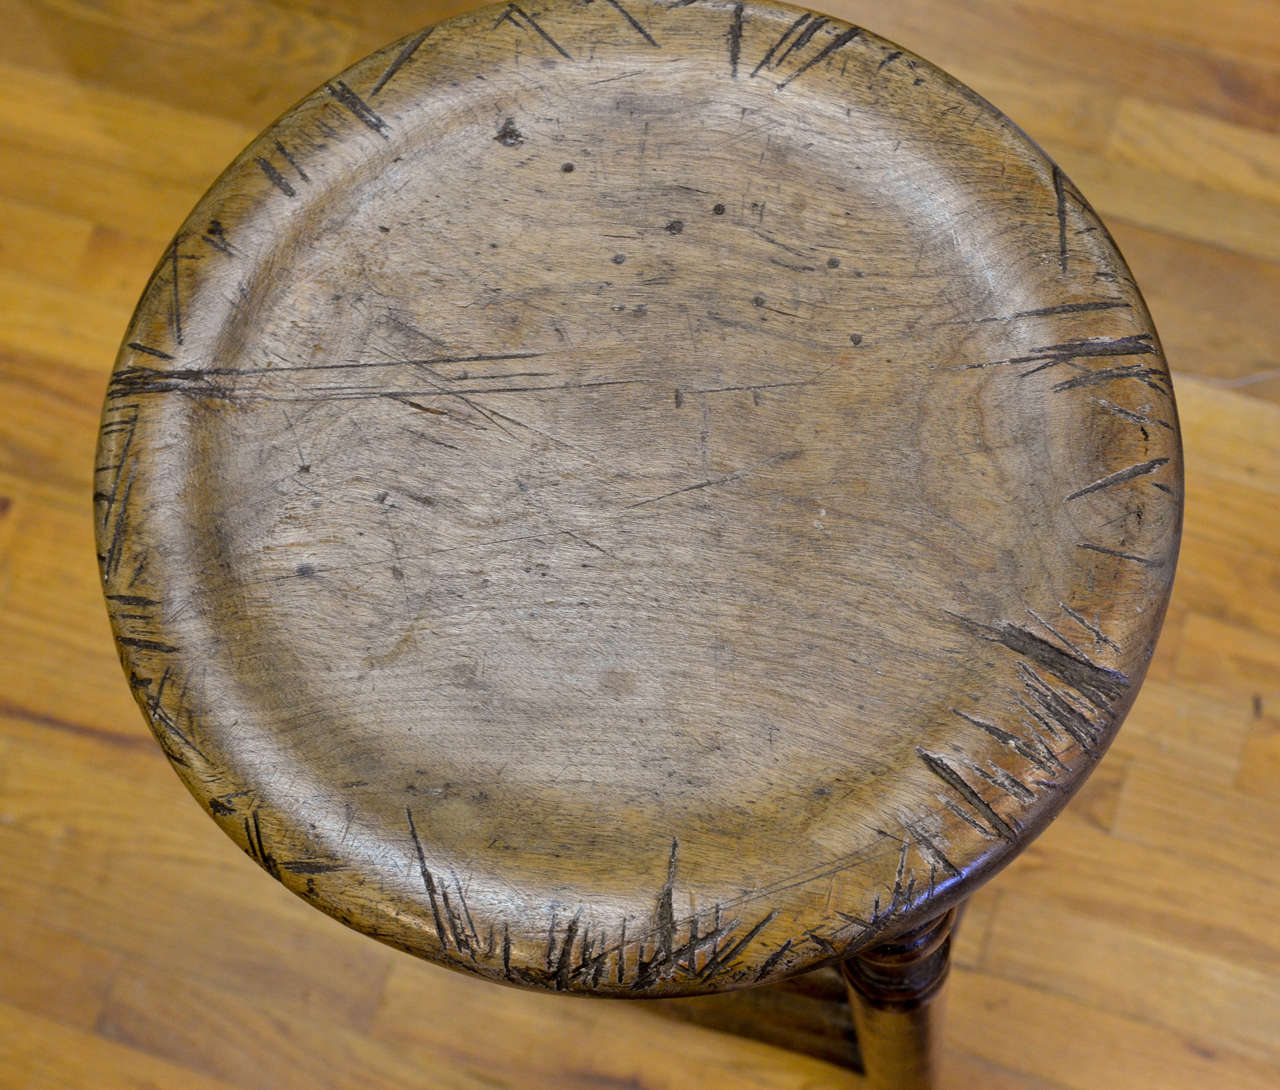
(1139, 344)
(551, 940)
(401, 59)
(564, 962)
(1119, 477)
(1129, 414)
(804, 38)
(1083, 730)
(665, 914)
(1062, 308)
(996, 825)
(360, 109)
(1041, 757)
(777, 459)
(466, 913)
(148, 350)
(632, 20)
(428, 882)
(292, 161)
(1100, 684)
(1006, 782)
(1144, 560)
(767, 60)
(899, 875)
(1097, 633)
(1055, 633)
(275, 177)
(726, 956)
(1039, 718)
(510, 15)
(119, 504)
(310, 866)
(838, 42)
(258, 849)
(460, 937)
(146, 645)
(735, 39)
(175, 305)
(163, 725)
(822, 943)
(1060, 198)
(649, 971)
(216, 237)
(772, 960)
(792, 268)
(930, 850)
(1151, 377)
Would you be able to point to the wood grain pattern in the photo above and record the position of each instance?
(117, 890)
(649, 546)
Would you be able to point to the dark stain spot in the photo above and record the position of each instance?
(5, 503)
(397, 573)
(675, 227)
(567, 168)
(618, 259)
(304, 468)
(1257, 705)
(758, 301)
(304, 569)
(855, 338)
(718, 210)
(221, 808)
(384, 230)
(679, 399)
(509, 136)
(833, 263)
(381, 497)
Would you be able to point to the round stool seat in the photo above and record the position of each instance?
(638, 500)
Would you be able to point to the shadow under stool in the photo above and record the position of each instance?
(646, 501)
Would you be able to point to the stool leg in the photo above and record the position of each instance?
(895, 993)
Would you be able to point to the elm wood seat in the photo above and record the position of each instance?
(640, 500)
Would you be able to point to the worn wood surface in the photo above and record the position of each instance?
(638, 500)
(138, 948)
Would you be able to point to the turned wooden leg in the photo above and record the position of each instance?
(895, 993)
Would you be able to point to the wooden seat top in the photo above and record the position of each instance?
(638, 497)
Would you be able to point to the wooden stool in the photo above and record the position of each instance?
(643, 500)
